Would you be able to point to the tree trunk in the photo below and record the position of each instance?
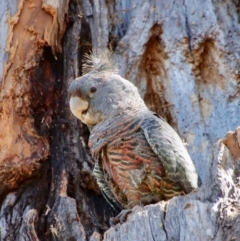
(184, 58)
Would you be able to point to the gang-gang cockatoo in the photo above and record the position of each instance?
(139, 158)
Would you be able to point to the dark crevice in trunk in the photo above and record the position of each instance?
(46, 91)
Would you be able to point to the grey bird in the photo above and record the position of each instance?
(139, 158)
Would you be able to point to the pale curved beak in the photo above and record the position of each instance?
(78, 107)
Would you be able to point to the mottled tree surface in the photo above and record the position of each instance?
(184, 58)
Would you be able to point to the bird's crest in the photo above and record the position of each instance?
(99, 60)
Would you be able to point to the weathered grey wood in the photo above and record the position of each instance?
(184, 58)
(22, 212)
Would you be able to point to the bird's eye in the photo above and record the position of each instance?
(93, 89)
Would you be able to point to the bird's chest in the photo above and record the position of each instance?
(128, 159)
(125, 155)
(117, 133)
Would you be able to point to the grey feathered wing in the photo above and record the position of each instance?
(168, 146)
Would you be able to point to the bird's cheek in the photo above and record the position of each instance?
(78, 106)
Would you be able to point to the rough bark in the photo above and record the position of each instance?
(184, 58)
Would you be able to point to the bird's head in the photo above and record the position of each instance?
(98, 96)
(100, 93)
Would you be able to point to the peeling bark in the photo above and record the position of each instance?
(33, 26)
(184, 58)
